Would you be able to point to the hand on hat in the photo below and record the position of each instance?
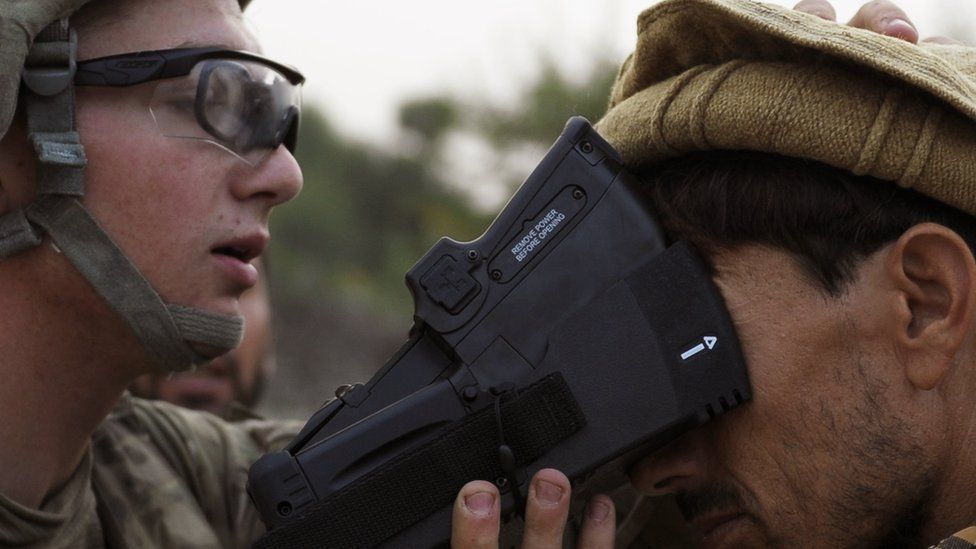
(881, 16)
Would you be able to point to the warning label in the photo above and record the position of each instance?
(537, 235)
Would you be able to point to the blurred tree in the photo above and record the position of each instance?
(430, 118)
(520, 134)
(549, 101)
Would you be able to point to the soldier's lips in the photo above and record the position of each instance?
(240, 272)
(234, 256)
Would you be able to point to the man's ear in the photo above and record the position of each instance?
(934, 273)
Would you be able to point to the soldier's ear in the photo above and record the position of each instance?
(933, 273)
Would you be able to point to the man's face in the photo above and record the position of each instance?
(830, 452)
(171, 203)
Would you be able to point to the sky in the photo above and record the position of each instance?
(363, 58)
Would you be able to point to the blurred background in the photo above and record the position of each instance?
(420, 119)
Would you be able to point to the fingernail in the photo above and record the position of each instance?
(480, 503)
(547, 492)
(597, 511)
(899, 27)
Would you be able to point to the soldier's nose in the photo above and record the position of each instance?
(681, 466)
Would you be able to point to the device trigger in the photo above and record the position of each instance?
(506, 458)
(508, 463)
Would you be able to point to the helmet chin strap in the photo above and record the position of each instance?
(166, 331)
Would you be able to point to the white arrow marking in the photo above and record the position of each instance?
(692, 352)
(710, 342)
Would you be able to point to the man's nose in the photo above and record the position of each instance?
(277, 179)
(680, 466)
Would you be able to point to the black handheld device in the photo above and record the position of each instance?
(569, 335)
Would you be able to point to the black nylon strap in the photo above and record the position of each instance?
(417, 484)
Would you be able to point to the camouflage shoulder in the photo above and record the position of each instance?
(200, 434)
(966, 539)
(173, 477)
(272, 434)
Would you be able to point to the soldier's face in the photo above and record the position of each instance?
(830, 452)
(173, 205)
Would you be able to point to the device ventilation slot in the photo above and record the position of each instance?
(299, 495)
(723, 404)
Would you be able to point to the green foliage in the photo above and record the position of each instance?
(546, 106)
(431, 118)
(362, 220)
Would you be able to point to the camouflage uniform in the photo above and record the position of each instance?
(156, 475)
(961, 540)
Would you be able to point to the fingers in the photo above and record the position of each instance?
(475, 519)
(821, 8)
(881, 16)
(474, 523)
(884, 17)
(546, 510)
(599, 524)
(945, 40)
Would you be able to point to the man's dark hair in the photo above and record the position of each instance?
(825, 217)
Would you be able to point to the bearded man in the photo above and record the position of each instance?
(826, 173)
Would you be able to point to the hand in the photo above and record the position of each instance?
(881, 16)
(477, 509)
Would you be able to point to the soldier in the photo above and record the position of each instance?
(135, 192)
(826, 173)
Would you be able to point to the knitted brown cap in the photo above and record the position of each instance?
(740, 75)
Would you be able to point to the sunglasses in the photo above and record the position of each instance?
(242, 102)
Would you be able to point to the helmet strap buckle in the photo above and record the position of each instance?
(52, 62)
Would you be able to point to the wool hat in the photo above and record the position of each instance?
(742, 75)
(20, 23)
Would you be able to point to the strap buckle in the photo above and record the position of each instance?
(16, 234)
(59, 148)
(51, 65)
